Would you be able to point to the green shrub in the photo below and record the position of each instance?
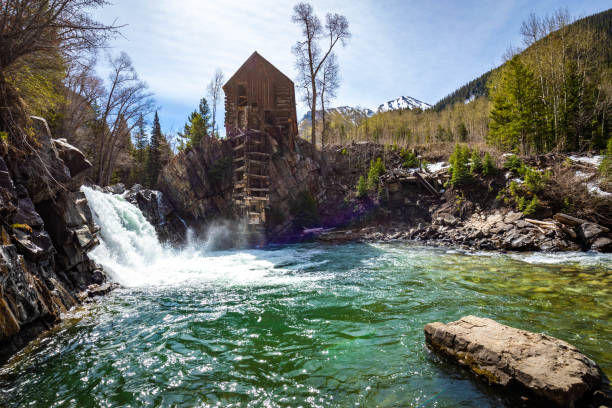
(362, 187)
(514, 164)
(534, 179)
(527, 206)
(525, 195)
(475, 162)
(488, 166)
(410, 159)
(377, 169)
(459, 170)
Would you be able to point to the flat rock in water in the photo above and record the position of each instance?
(543, 366)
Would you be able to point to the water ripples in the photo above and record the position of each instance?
(327, 326)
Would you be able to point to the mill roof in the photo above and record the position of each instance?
(254, 59)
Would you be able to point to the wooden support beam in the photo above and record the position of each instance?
(251, 198)
(427, 186)
(257, 162)
(256, 189)
(261, 154)
(257, 176)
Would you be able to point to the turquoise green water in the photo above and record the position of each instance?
(309, 326)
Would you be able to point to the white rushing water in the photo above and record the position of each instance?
(132, 255)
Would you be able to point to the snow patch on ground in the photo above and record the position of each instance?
(580, 175)
(595, 190)
(434, 167)
(470, 99)
(593, 161)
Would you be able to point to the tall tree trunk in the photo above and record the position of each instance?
(323, 127)
(314, 119)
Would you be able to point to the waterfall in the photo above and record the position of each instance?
(132, 255)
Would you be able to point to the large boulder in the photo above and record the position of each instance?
(543, 368)
(589, 232)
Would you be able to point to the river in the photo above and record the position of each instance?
(305, 325)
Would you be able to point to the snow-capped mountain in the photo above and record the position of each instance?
(403, 102)
(356, 114)
(348, 111)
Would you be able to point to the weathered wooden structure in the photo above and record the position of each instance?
(258, 96)
(251, 193)
(259, 105)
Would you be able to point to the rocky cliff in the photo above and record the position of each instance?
(46, 230)
(198, 184)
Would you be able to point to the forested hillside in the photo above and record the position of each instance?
(601, 22)
(554, 94)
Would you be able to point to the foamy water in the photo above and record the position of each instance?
(132, 255)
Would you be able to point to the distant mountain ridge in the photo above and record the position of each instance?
(403, 102)
(342, 110)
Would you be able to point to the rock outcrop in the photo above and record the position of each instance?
(158, 210)
(198, 182)
(46, 229)
(545, 370)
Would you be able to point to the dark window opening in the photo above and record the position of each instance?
(242, 96)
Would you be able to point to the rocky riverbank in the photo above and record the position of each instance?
(46, 230)
(501, 230)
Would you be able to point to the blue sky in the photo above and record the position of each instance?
(424, 49)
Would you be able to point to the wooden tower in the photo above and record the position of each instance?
(259, 103)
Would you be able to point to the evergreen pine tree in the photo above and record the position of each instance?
(140, 151)
(362, 187)
(488, 166)
(197, 127)
(475, 162)
(517, 114)
(460, 172)
(154, 162)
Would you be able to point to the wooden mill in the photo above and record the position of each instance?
(259, 105)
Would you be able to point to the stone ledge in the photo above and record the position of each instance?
(537, 365)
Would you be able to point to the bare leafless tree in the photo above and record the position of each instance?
(328, 84)
(35, 26)
(126, 99)
(214, 93)
(35, 35)
(83, 88)
(311, 54)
